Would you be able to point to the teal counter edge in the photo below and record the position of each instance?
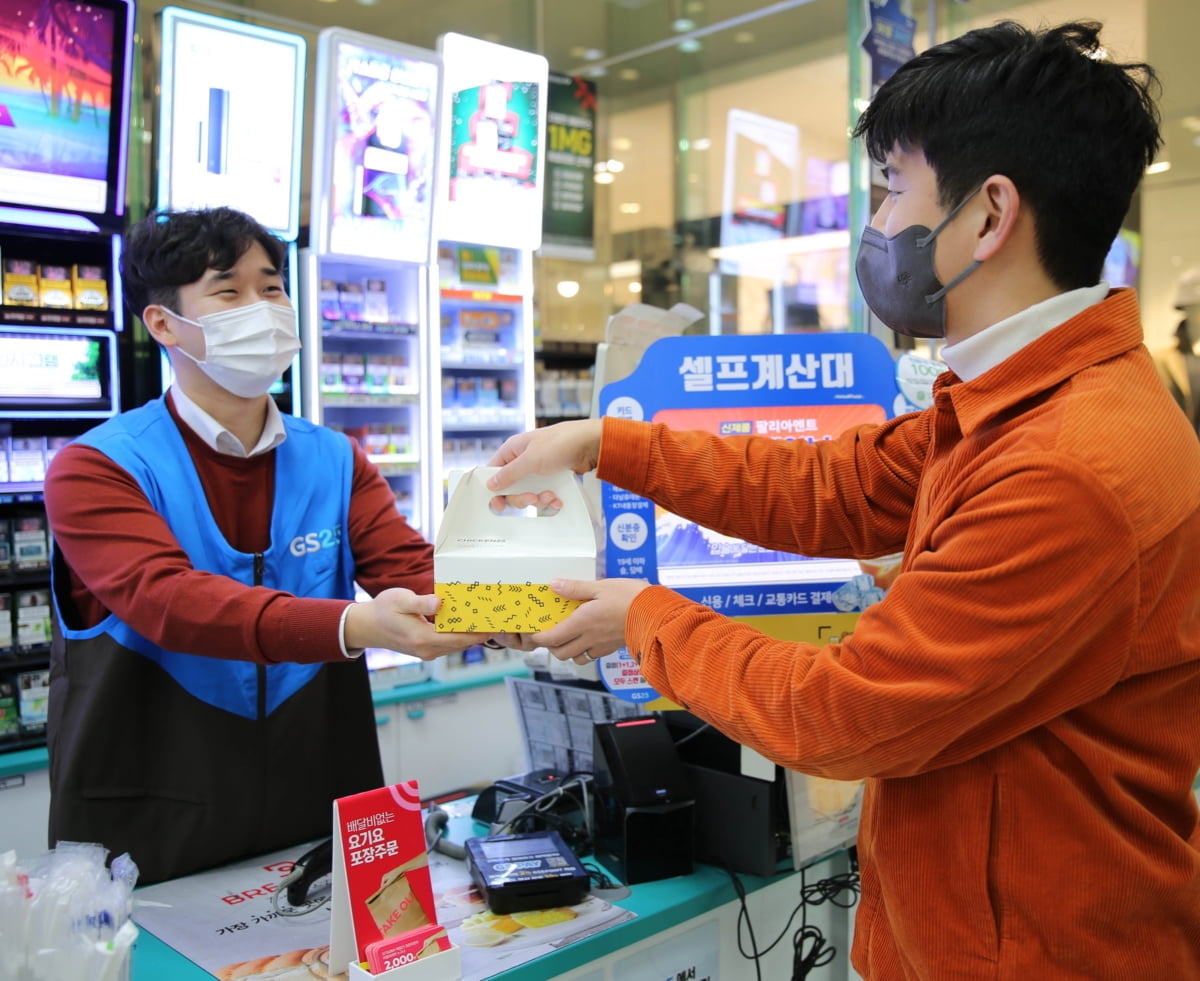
(22, 761)
(25, 760)
(423, 690)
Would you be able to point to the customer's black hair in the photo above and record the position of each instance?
(1072, 130)
(167, 250)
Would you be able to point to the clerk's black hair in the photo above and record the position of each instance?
(1071, 129)
(170, 249)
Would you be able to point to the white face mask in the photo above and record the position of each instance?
(247, 348)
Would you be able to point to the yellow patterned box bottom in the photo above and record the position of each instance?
(484, 607)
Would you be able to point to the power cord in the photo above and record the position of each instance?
(693, 734)
(541, 808)
(809, 947)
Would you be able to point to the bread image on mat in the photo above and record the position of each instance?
(295, 965)
(487, 929)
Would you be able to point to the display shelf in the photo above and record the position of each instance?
(361, 400)
(483, 296)
(17, 578)
(563, 379)
(55, 317)
(464, 364)
(33, 659)
(21, 493)
(361, 330)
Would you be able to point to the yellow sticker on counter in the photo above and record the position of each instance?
(515, 608)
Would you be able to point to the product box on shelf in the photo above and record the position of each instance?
(33, 694)
(331, 372)
(7, 640)
(20, 283)
(6, 554)
(54, 287)
(352, 299)
(30, 542)
(354, 373)
(329, 300)
(27, 459)
(89, 287)
(10, 719)
(375, 301)
(33, 618)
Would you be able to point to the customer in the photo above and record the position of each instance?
(207, 697)
(1025, 701)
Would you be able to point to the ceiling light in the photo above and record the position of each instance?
(614, 166)
(635, 287)
(593, 54)
(578, 51)
(567, 288)
(683, 25)
(629, 208)
(629, 74)
(701, 144)
(1161, 167)
(604, 177)
(595, 71)
(743, 37)
(622, 143)
(689, 45)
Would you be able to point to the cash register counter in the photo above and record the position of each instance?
(685, 927)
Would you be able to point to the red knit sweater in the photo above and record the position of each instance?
(1025, 700)
(123, 558)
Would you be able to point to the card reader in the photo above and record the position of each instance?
(527, 871)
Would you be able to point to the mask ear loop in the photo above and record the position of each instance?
(923, 242)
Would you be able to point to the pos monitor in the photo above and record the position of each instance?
(230, 111)
(374, 149)
(64, 100)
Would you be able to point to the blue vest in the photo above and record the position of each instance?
(309, 554)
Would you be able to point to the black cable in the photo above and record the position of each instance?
(744, 916)
(693, 734)
(809, 947)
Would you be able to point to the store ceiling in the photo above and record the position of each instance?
(628, 46)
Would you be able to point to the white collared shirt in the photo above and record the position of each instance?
(218, 438)
(981, 352)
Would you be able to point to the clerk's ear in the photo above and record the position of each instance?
(159, 325)
(1002, 212)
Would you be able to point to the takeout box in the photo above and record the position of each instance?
(493, 571)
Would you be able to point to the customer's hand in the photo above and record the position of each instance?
(396, 620)
(573, 445)
(595, 628)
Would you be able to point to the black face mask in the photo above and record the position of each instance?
(898, 281)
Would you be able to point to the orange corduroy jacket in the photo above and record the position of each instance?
(1025, 701)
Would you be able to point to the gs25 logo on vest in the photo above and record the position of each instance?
(315, 541)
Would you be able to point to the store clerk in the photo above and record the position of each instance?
(207, 697)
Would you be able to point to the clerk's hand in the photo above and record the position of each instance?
(573, 445)
(595, 628)
(397, 620)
